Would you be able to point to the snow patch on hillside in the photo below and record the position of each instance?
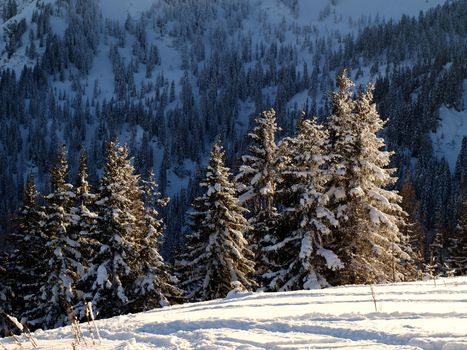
(120, 9)
(447, 140)
(356, 8)
(416, 315)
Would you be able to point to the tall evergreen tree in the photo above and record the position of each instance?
(299, 255)
(413, 228)
(29, 254)
(458, 243)
(85, 200)
(7, 294)
(156, 286)
(217, 258)
(368, 239)
(85, 225)
(109, 282)
(64, 267)
(342, 128)
(458, 246)
(256, 184)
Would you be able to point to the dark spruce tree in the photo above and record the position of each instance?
(155, 286)
(217, 259)
(413, 228)
(256, 184)
(458, 247)
(29, 264)
(458, 242)
(7, 294)
(84, 226)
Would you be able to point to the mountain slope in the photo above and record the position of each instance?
(167, 77)
(417, 315)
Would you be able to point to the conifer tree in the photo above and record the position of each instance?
(458, 246)
(29, 241)
(86, 223)
(458, 243)
(63, 251)
(7, 294)
(217, 259)
(155, 287)
(85, 226)
(413, 228)
(342, 127)
(256, 184)
(368, 240)
(109, 281)
(300, 257)
(437, 261)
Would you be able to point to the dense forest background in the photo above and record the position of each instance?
(181, 73)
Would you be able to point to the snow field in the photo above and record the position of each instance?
(417, 315)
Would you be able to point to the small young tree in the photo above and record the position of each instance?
(413, 228)
(436, 263)
(256, 184)
(217, 259)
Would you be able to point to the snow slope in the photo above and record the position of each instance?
(416, 315)
(370, 8)
(119, 9)
(447, 141)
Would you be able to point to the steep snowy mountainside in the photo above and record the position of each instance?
(416, 316)
(167, 77)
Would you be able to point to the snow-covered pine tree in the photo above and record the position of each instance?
(110, 279)
(84, 200)
(156, 286)
(85, 225)
(458, 243)
(299, 256)
(29, 265)
(84, 195)
(64, 266)
(217, 259)
(342, 127)
(368, 240)
(458, 248)
(256, 185)
(437, 260)
(413, 228)
(7, 295)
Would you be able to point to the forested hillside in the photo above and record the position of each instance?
(170, 78)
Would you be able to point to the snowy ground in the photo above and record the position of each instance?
(416, 315)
